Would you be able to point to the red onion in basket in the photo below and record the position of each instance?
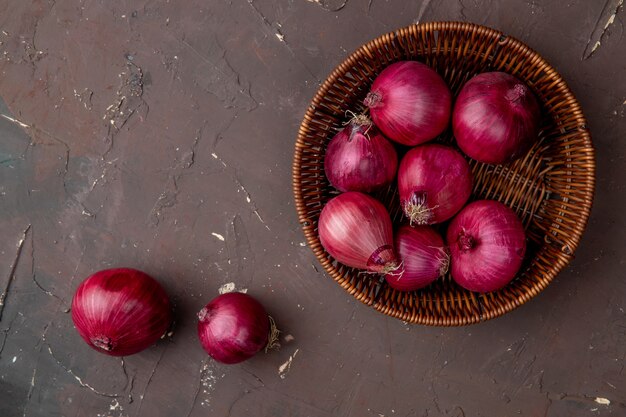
(359, 158)
(120, 311)
(356, 230)
(496, 118)
(434, 182)
(233, 327)
(410, 103)
(423, 255)
(487, 245)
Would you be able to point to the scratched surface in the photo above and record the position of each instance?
(159, 135)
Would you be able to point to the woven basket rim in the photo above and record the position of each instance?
(584, 209)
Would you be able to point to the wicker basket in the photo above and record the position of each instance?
(551, 188)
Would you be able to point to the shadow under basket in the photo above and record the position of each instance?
(550, 188)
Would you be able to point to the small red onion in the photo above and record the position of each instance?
(356, 230)
(496, 118)
(234, 327)
(359, 158)
(487, 245)
(423, 255)
(120, 311)
(434, 182)
(410, 103)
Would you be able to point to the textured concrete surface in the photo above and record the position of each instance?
(159, 135)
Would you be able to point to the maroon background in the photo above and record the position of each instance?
(150, 125)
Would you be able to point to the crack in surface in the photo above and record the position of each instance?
(281, 37)
(213, 81)
(79, 379)
(203, 370)
(241, 188)
(32, 380)
(605, 20)
(12, 270)
(7, 330)
(330, 5)
(66, 309)
(145, 389)
(128, 102)
(167, 199)
(422, 11)
(130, 382)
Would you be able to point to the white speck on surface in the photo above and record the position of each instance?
(114, 406)
(302, 244)
(603, 401)
(595, 46)
(14, 359)
(13, 120)
(214, 155)
(610, 21)
(208, 378)
(280, 37)
(217, 235)
(226, 288)
(285, 367)
(289, 338)
(231, 287)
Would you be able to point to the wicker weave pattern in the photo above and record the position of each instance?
(551, 188)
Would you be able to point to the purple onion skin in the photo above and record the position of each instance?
(487, 245)
(359, 158)
(356, 230)
(121, 311)
(410, 103)
(496, 118)
(434, 182)
(233, 327)
(423, 255)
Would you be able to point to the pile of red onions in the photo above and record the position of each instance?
(234, 327)
(356, 230)
(121, 311)
(434, 182)
(359, 158)
(410, 103)
(487, 245)
(423, 255)
(496, 118)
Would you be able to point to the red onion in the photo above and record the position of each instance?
(356, 230)
(487, 245)
(410, 103)
(233, 327)
(423, 256)
(434, 182)
(496, 118)
(121, 311)
(359, 158)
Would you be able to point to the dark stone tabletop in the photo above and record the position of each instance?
(159, 135)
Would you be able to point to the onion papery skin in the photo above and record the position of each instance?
(121, 311)
(496, 118)
(434, 183)
(356, 230)
(233, 327)
(360, 158)
(487, 244)
(423, 258)
(410, 103)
